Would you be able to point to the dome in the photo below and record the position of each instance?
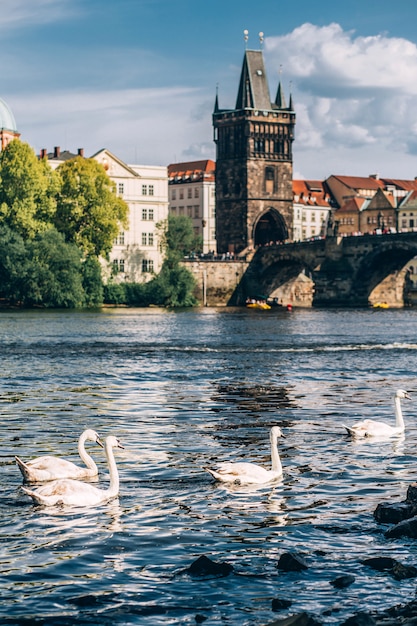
(7, 121)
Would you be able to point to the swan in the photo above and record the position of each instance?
(372, 428)
(45, 468)
(76, 493)
(250, 473)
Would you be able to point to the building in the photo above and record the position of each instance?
(137, 254)
(312, 207)
(8, 129)
(254, 197)
(365, 205)
(191, 192)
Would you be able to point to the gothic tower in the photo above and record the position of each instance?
(254, 200)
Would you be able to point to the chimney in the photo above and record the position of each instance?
(81, 152)
(57, 152)
(374, 176)
(44, 154)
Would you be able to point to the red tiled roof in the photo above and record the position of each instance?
(311, 192)
(361, 182)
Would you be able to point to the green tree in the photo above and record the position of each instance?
(54, 276)
(92, 282)
(89, 213)
(14, 265)
(178, 236)
(27, 190)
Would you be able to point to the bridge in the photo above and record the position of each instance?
(342, 271)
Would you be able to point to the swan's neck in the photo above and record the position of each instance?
(114, 474)
(85, 457)
(399, 421)
(275, 459)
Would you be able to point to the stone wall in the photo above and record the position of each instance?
(218, 282)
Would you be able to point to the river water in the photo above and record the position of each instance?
(183, 390)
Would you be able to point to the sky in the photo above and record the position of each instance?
(139, 77)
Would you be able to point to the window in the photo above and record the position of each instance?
(174, 194)
(196, 192)
(118, 266)
(121, 239)
(147, 266)
(150, 214)
(121, 189)
(269, 180)
(144, 214)
(147, 239)
(189, 211)
(144, 190)
(181, 194)
(151, 190)
(196, 211)
(190, 193)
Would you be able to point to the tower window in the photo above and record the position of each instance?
(269, 180)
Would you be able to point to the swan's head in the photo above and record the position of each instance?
(113, 442)
(91, 435)
(401, 393)
(276, 432)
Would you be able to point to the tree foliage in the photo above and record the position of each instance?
(27, 190)
(178, 236)
(88, 212)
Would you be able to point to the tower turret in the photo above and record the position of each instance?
(253, 163)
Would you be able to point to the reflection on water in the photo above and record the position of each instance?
(182, 391)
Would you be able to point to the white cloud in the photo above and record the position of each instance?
(350, 92)
(20, 13)
(148, 126)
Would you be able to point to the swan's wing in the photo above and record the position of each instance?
(240, 472)
(67, 491)
(371, 428)
(51, 463)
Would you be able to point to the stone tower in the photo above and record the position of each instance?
(254, 200)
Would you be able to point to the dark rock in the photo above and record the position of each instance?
(300, 619)
(406, 528)
(291, 562)
(394, 512)
(343, 581)
(412, 493)
(204, 566)
(279, 604)
(360, 619)
(400, 571)
(380, 563)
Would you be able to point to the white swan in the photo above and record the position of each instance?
(372, 428)
(45, 468)
(75, 492)
(250, 473)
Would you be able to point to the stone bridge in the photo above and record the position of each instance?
(336, 271)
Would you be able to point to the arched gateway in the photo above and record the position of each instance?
(269, 228)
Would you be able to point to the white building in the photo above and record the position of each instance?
(137, 252)
(191, 192)
(311, 209)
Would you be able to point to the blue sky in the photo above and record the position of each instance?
(139, 77)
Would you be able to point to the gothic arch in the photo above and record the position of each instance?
(269, 227)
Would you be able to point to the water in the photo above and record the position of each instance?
(184, 390)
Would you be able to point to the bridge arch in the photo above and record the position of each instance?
(383, 272)
(269, 227)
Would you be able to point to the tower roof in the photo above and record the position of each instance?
(7, 121)
(253, 87)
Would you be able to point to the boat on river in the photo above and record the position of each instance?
(257, 305)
